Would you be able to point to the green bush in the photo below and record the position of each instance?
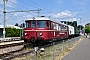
(13, 32)
(87, 29)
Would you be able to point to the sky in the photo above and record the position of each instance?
(61, 10)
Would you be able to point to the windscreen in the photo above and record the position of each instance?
(41, 24)
(33, 24)
(27, 24)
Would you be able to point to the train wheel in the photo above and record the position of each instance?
(25, 41)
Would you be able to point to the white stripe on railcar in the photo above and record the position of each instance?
(44, 30)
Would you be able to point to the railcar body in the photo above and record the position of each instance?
(71, 31)
(76, 32)
(43, 29)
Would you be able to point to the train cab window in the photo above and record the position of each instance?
(33, 24)
(27, 24)
(41, 24)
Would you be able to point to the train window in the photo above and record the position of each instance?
(41, 24)
(54, 26)
(59, 28)
(51, 26)
(33, 24)
(62, 27)
(28, 24)
(66, 28)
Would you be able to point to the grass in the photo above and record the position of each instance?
(50, 53)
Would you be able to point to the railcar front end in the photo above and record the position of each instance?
(36, 31)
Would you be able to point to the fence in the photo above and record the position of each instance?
(56, 52)
(9, 39)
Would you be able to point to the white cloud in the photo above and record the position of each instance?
(71, 19)
(65, 14)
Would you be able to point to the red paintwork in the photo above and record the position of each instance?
(32, 33)
(48, 34)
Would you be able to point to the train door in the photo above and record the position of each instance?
(49, 26)
(33, 26)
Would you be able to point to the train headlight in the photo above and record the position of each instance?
(25, 34)
(41, 34)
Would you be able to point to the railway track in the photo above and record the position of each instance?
(11, 44)
(14, 54)
(21, 52)
(9, 50)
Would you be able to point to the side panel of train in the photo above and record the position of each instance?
(77, 32)
(73, 31)
(44, 31)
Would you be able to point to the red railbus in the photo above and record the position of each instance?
(42, 29)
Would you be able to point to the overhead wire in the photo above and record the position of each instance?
(37, 4)
(31, 5)
(20, 6)
(42, 7)
(28, 4)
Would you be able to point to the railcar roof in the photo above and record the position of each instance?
(39, 18)
(42, 18)
(45, 18)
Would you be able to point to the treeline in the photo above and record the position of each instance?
(87, 28)
(13, 32)
(74, 24)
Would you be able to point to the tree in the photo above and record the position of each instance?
(80, 27)
(74, 23)
(87, 29)
(69, 23)
(16, 24)
(22, 25)
(63, 22)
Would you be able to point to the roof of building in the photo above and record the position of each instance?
(1, 26)
(10, 26)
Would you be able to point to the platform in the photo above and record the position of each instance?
(80, 52)
(12, 42)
